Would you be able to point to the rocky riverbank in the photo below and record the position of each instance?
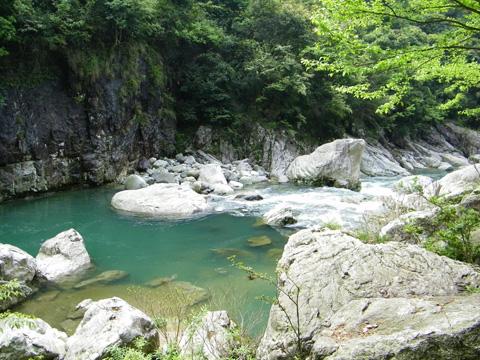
(41, 163)
(339, 297)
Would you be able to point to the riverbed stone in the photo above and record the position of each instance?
(249, 197)
(23, 338)
(106, 277)
(160, 281)
(63, 256)
(162, 200)
(281, 215)
(210, 339)
(106, 323)
(134, 182)
(332, 164)
(162, 176)
(331, 271)
(222, 189)
(259, 241)
(212, 174)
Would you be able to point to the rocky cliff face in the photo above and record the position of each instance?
(51, 137)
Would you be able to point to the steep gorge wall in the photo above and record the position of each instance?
(51, 137)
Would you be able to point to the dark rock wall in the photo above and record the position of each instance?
(52, 138)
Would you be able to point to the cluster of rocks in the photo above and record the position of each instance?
(105, 323)
(59, 259)
(411, 195)
(203, 172)
(109, 323)
(447, 147)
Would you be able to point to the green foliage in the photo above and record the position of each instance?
(386, 49)
(10, 290)
(135, 352)
(453, 228)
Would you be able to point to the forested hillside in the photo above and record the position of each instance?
(319, 68)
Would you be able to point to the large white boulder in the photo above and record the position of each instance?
(63, 256)
(459, 181)
(107, 323)
(210, 339)
(322, 273)
(23, 338)
(16, 264)
(333, 164)
(161, 200)
(212, 174)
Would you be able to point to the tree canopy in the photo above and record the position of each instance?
(320, 68)
(388, 47)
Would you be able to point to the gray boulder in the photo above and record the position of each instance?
(107, 323)
(210, 339)
(161, 200)
(23, 338)
(134, 182)
(460, 181)
(16, 264)
(396, 230)
(333, 164)
(162, 176)
(442, 328)
(330, 271)
(471, 201)
(63, 256)
(378, 161)
(280, 215)
(106, 277)
(212, 174)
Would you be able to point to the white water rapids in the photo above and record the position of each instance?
(317, 206)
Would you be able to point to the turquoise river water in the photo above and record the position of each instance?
(146, 249)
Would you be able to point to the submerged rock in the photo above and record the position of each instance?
(161, 200)
(160, 281)
(210, 339)
(135, 182)
(249, 197)
(107, 323)
(280, 215)
(333, 164)
(259, 241)
(106, 277)
(23, 338)
(228, 252)
(332, 272)
(190, 294)
(63, 256)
